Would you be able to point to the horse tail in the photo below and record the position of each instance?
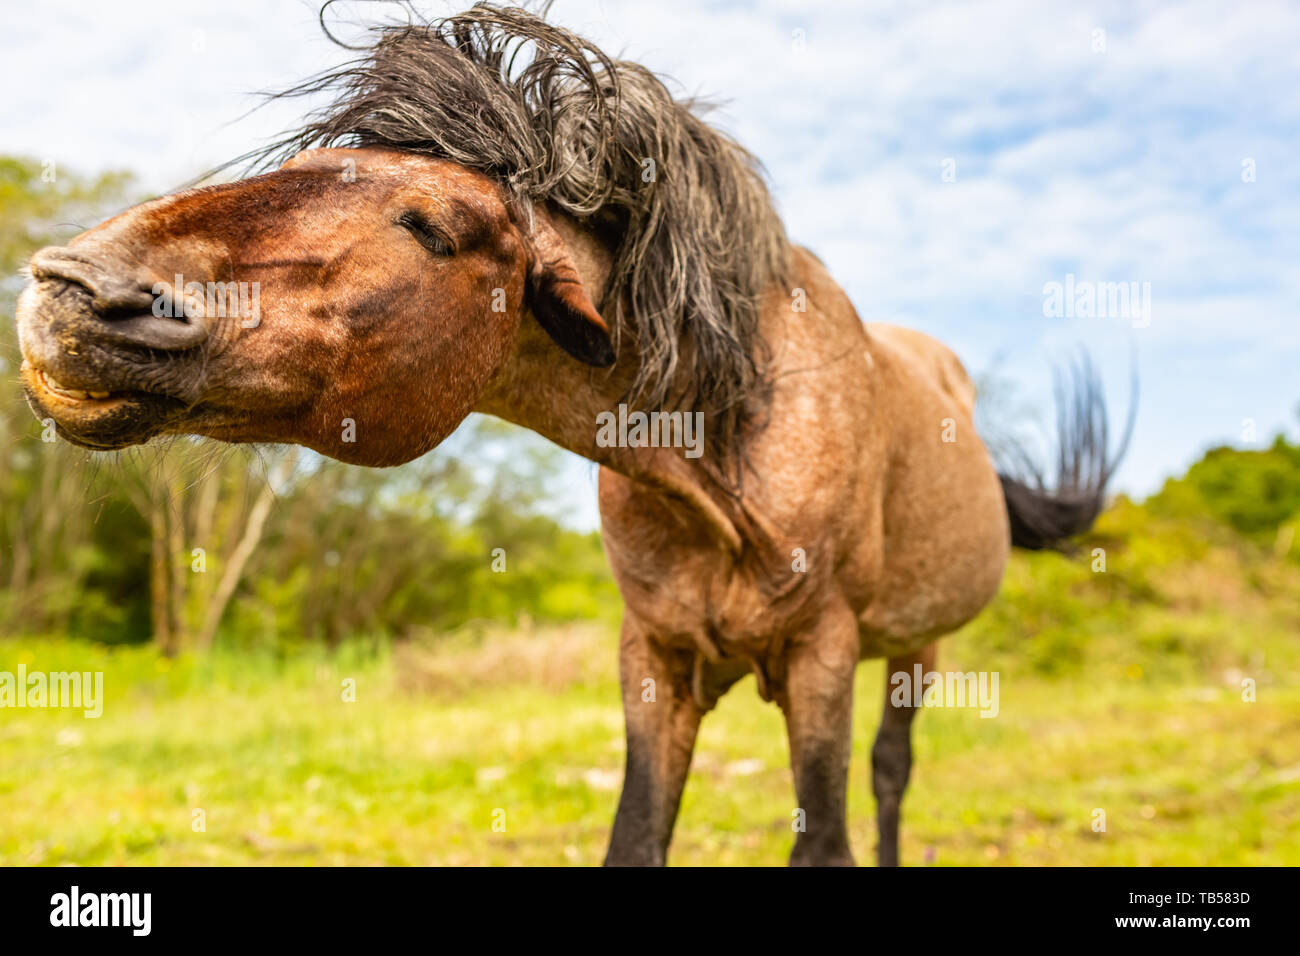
(1046, 518)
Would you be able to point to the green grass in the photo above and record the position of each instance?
(436, 743)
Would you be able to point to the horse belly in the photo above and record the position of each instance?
(942, 561)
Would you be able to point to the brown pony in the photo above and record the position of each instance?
(496, 217)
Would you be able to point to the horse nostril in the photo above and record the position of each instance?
(112, 296)
(125, 306)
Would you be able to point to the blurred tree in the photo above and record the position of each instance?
(51, 548)
(207, 507)
(1253, 491)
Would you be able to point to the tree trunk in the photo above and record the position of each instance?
(159, 577)
(233, 568)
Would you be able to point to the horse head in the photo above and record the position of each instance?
(305, 305)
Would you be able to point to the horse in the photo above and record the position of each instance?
(492, 215)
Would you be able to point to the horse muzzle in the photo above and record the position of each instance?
(96, 359)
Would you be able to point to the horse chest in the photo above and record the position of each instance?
(725, 609)
(688, 591)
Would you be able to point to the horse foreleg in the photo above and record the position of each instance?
(818, 702)
(891, 756)
(662, 719)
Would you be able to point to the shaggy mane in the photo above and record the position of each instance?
(554, 119)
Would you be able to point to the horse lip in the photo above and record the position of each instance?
(69, 388)
(81, 397)
(125, 418)
(152, 331)
(69, 392)
(141, 357)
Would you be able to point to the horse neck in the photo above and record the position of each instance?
(545, 391)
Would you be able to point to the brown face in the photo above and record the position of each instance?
(356, 301)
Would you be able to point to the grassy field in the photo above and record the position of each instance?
(527, 729)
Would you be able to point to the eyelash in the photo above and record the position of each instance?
(431, 239)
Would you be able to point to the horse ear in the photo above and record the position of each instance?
(560, 302)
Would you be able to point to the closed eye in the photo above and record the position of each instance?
(426, 235)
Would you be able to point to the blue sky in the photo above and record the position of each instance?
(1115, 156)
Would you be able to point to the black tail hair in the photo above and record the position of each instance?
(1044, 519)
